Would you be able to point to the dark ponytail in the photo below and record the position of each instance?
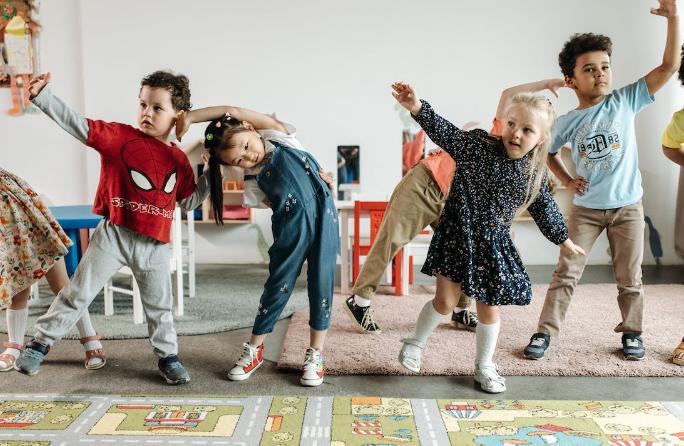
(216, 187)
(217, 138)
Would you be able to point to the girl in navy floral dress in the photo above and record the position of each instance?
(472, 250)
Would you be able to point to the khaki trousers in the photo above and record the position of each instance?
(416, 202)
(625, 230)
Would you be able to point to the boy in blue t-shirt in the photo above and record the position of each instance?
(608, 187)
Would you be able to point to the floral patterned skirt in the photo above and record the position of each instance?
(31, 240)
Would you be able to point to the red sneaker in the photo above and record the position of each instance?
(252, 357)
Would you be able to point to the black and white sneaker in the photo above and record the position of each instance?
(361, 317)
(465, 319)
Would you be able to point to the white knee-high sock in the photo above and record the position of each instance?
(486, 336)
(427, 321)
(16, 327)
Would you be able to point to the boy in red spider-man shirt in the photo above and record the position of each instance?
(143, 176)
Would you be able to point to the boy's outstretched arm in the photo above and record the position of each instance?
(257, 120)
(672, 56)
(41, 96)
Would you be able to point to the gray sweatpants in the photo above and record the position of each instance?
(111, 247)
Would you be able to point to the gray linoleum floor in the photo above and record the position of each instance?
(131, 368)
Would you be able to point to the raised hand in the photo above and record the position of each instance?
(668, 8)
(205, 160)
(325, 177)
(553, 85)
(38, 83)
(434, 152)
(407, 97)
(182, 124)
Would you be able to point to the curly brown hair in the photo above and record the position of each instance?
(580, 44)
(176, 84)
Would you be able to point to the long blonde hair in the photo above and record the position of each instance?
(541, 107)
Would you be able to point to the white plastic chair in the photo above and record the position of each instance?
(109, 290)
(188, 247)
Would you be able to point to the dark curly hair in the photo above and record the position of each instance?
(176, 84)
(580, 44)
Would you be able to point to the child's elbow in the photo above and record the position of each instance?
(674, 68)
(669, 68)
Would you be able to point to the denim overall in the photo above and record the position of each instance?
(305, 227)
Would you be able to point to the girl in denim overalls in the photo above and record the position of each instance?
(278, 174)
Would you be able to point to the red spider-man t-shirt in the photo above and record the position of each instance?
(141, 178)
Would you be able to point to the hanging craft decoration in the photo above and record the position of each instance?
(17, 30)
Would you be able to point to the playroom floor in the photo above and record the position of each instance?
(131, 368)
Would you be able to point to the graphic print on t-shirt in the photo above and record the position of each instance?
(151, 170)
(599, 146)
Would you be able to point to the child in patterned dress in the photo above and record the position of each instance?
(418, 201)
(278, 174)
(32, 245)
(472, 250)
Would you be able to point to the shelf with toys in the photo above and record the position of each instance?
(561, 194)
(233, 212)
(233, 193)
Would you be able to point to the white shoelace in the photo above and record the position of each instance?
(367, 319)
(312, 359)
(248, 355)
(470, 317)
(632, 342)
(538, 342)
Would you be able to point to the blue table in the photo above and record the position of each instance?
(72, 219)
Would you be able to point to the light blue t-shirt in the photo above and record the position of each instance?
(604, 147)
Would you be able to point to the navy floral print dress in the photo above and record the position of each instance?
(472, 243)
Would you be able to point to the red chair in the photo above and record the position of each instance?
(376, 209)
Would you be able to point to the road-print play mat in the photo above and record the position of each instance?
(94, 420)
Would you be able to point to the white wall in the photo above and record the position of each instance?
(327, 68)
(32, 146)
